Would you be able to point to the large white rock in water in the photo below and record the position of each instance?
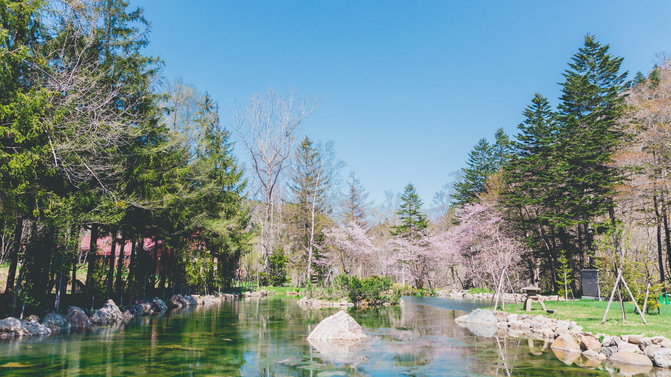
(340, 326)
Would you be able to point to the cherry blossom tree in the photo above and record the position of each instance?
(483, 243)
(347, 246)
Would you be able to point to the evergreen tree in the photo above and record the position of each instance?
(355, 208)
(530, 176)
(412, 220)
(310, 181)
(482, 162)
(591, 104)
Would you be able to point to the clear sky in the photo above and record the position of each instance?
(408, 86)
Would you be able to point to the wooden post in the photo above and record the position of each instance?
(647, 290)
(498, 291)
(634, 300)
(512, 290)
(612, 295)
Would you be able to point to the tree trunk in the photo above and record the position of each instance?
(93, 250)
(14, 255)
(119, 269)
(660, 253)
(110, 273)
(666, 232)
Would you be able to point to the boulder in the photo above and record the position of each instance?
(651, 349)
(77, 318)
(645, 342)
(665, 343)
(190, 301)
(590, 354)
(195, 298)
(608, 351)
(512, 318)
(11, 327)
(56, 322)
(467, 296)
(133, 311)
(607, 341)
(630, 358)
(501, 316)
(485, 317)
(662, 358)
(628, 347)
(590, 343)
(566, 343)
(178, 301)
(158, 305)
(636, 339)
(340, 326)
(107, 315)
(657, 339)
(32, 327)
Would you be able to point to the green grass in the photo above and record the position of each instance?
(280, 290)
(589, 315)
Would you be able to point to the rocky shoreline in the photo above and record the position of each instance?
(77, 319)
(636, 353)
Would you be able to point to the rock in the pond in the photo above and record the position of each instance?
(485, 317)
(590, 354)
(339, 326)
(630, 358)
(190, 301)
(628, 347)
(608, 351)
(590, 343)
(33, 327)
(56, 322)
(134, 311)
(158, 305)
(178, 301)
(662, 358)
(11, 327)
(651, 349)
(566, 343)
(107, 315)
(77, 318)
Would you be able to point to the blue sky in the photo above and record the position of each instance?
(408, 87)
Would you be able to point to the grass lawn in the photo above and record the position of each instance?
(279, 290)
(589, 315)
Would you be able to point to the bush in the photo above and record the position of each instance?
(370, 289)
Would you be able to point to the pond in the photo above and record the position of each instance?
(266, 337)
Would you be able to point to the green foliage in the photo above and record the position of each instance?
(564, 278)
(480, 290)
(277, 269)
(370, 289)
(413, 221)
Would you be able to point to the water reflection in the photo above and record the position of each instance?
(267, 338)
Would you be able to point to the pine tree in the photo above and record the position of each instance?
(355, 208)
(310, 181)
(530, 176)
(412, 220)
(591, 104)
(482, 162)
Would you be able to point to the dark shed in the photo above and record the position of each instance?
(590, 284)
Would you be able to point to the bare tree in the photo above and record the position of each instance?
(267, 127)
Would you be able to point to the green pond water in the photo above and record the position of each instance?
(266, 337)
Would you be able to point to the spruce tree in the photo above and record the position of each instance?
(412, 220)
(591, 104)
(483, 161)
(354, 207)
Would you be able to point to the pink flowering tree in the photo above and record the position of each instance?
(484, 245)
(347, 246)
